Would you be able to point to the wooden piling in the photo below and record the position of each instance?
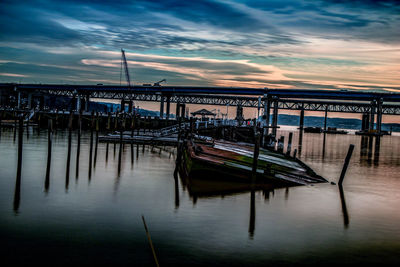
(346, 164)
(294, 153)
(49, 144)
(17, 190)
(120, 148)
(289, 146)
(78, 148)
(69, 149)
(91, 146)
(255, 156)
(97, 140)
(281, 142)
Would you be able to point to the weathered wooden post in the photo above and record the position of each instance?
(255, 157)
(91, 145)
(346, 164)
(69, 149)
(15, 126)
(289, 145)
(78, 148)
(49, 144)
(281, 143)
(120, 146)
(97, 139)
(17, 190)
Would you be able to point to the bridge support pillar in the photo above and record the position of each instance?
(267, 112)
(130, 106)
(275, 118)
(78, 106)
(87, 101)
(162, 107)
(379, 116)
(301, 126)
(177, 111)
(168, 107)
(365, 122)
(30, 100)
(372, 116)
(183, 108)
(326, 117)
(122, 106)
(19, 100)
(41, 102)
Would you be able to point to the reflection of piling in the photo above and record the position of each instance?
(69, 150)
(344, 207)
(377, 150)
(346, 164)
(49, 144)
(19, 166)
(78, 148)
(252, 214)
(150, 242)
(176, 187)
(107, 145)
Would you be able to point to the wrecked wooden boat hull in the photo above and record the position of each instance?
(227, 161)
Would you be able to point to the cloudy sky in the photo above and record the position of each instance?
(325, 44)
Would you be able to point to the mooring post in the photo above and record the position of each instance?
(97, 139)
(120, 148)
(69, 149)
(91, 145)
(294, 153)
(49, 144)
(326, 117)
(255, 156)
(289, 145)
(78, 147)
(19, 166)
(15, 126)
(281, 142)
(346, 164)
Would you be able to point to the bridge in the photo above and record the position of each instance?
(367, 103)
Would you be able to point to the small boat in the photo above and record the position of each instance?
(334, 130)
(229, 161)
(313, 130)
(372, 133)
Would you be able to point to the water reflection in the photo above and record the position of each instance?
(252, 220)
(346, 220)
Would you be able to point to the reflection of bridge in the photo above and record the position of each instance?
(304, 100)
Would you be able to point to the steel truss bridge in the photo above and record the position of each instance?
(286, 99)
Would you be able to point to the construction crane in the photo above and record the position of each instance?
(159, 82)
(125, 63)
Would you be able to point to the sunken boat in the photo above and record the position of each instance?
(228, 161)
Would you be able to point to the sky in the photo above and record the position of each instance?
(318, 44)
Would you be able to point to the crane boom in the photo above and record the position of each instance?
(128, 79)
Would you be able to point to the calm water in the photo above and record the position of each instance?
(97, 220)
